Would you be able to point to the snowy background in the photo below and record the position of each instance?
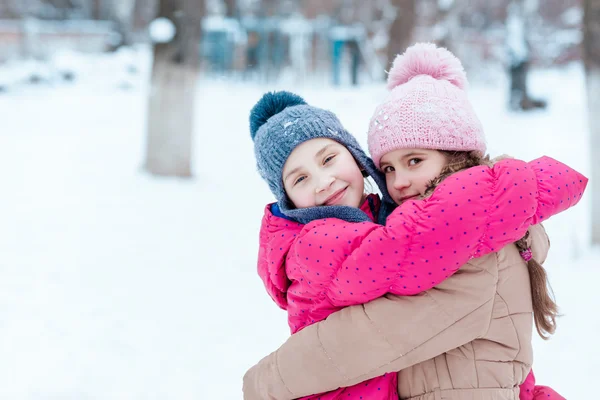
(118, 285)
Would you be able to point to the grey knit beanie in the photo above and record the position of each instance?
(279, 122)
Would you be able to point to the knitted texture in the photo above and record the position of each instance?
(427, 107)
(279, 122)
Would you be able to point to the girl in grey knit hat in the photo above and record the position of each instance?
(288, 136)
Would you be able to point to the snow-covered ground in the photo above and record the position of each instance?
(118, 285)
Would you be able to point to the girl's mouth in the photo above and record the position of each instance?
(336, 197)
(405, 198)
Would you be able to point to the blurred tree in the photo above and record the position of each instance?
(173, 88)
(401, 30)
(143, 13)
(268, 8)
(591, 48)
(447, 28)
(519, 56)
(231, 7)
(122, 15)
(102, 9)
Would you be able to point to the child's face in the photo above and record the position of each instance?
(408, 171)
(323, 172)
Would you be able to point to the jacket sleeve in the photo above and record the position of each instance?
(471, 214)
(526, 388)
(386, 335)
(537, 235)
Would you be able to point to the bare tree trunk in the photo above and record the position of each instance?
(401, 30)
(591, 45)
(122, 15)
(448, 23)
(231, 8)
(174, 77)
(97, 9)
(143, 13)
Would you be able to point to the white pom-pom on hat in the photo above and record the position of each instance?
(427, 59)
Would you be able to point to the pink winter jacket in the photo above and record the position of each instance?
(531, 391)
(316, 269)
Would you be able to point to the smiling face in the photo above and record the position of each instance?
(409, 171)
(322, 172)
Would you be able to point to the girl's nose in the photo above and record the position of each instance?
(324, 183)
(401, 182)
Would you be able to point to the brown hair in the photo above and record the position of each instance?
(457, 161)
(545, 309)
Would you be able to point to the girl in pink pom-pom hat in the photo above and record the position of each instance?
(427, 123)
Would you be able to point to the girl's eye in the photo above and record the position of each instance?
(300, 179)
(329, 158)
(414, 161)
(388, 169)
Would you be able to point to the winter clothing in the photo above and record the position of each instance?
(468, 338)
(316, 269)
(531, 391)
(279, 122)
(427, 108)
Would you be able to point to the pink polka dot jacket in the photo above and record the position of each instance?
(531, 391)
(316, 269)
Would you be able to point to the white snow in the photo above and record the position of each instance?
(445, 4)
(572, 16)
(118, 285)
(162, 30)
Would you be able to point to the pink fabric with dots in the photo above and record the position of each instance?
(531, 391)
(316, 269)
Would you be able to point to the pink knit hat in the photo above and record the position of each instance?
(427, 107)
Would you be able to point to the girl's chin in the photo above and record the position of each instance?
(404, 200)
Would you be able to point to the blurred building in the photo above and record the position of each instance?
(258, 39)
